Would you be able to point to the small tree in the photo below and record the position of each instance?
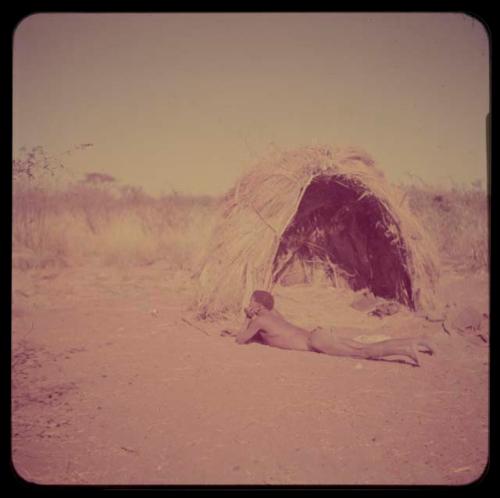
(36, 163)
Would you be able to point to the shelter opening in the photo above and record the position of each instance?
(342, 233)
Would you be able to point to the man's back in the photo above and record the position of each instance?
(276, 331)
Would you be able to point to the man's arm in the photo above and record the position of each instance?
(249, 329)
(234, 332)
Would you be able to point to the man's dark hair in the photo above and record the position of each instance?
(265, 298)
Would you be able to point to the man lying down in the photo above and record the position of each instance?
(265, 321)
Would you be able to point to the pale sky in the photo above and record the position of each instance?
(187, 101)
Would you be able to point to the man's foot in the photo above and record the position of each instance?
(423, 346)
(419, 345)
(412, 353)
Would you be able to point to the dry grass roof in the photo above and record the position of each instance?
(281, 208)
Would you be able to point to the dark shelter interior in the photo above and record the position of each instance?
(342, 230)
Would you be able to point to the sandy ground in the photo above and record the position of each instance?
(112, 386)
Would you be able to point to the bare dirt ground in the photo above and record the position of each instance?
(112, 386)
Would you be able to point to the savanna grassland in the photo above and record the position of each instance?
(115, 381)
(97, 217)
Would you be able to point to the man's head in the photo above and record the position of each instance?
(262, 299)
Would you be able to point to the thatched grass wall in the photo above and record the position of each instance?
(275, 205)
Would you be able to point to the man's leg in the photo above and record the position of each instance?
(325, 341)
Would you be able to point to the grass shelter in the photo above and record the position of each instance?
(316, 213)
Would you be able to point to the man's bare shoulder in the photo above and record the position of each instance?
(270, 318)
(258, 320)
